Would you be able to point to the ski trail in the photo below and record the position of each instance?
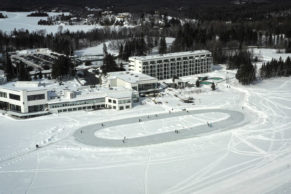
(34, 174)
(243, 140)
(146, 174)
(27, 153)
(195, 177)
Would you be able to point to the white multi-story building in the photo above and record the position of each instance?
(24, 98)
(173, 64)
(27, 99)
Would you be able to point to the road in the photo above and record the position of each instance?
(86, 135)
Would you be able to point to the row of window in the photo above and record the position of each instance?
(77, 103)
(36, 108)
(36, 97)
(112, 101)
(120, 107)
(14, 97)
(124, 101)
(17, 97)
(119, 101)
(11, 96)
(176, 65)
(82, 108)
(14, 108)
(179, 74)
(175, 59)
(176, 71)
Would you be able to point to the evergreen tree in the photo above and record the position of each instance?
(246, 73)
(62, 66)
(35, 76)
(8, 68)
(163, 46)
(126, 51)
(242, 57)
(288, 66)
(150, 43)
(213, 86)
(197, 83)
(23, 74)
(40, 76)
(105, 52)
(140, 46)
(109, 65)
(120, 52)
(156, 41)
(288, 47)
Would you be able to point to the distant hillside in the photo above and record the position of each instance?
(197, 6)
(126, 4)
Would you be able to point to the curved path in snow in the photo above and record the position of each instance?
(86, 135)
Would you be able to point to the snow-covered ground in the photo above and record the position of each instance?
(97, 50)
(19, 20)
(269, 54)
(252, 158)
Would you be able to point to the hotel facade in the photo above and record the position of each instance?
(172, 65)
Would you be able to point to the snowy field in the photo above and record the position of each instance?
(250, 158)
(19, 20)
(98, 50)
(269, 54)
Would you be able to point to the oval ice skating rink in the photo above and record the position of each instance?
(86, 135)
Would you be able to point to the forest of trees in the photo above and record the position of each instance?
(216, 36)
(222, 29)
(63, 42)
(133, 47)
(276, 68)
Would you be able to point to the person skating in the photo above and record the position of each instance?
(124, 138)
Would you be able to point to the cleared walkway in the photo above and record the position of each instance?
(86, 135)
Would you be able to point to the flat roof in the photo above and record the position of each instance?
(94, 93)
(169, 55)
(131, 77)
(24, 86)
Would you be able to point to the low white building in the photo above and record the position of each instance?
(91, 99)
(133, 80)
(172, 65)
(27, 99)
